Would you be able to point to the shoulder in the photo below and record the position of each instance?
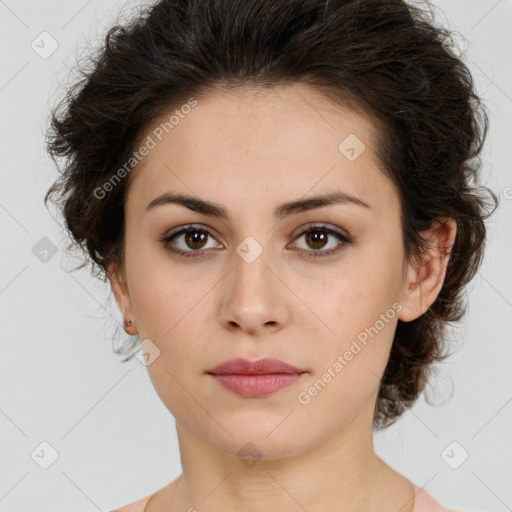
(426, 503)
(136, 506)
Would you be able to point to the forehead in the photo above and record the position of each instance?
(270, 143)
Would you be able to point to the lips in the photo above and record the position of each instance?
(253, 379)
(264, 366)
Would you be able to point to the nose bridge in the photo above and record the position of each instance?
(254, 297)
(251, 275)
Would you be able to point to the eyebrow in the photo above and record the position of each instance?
(290, 208)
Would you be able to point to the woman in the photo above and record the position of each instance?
(283, 195)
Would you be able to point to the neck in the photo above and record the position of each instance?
(342, 473)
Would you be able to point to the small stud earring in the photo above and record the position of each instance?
(128, 327)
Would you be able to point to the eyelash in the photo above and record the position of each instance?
(309, 254)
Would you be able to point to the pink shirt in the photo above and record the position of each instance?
(423, 503)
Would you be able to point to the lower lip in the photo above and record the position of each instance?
(257, 385)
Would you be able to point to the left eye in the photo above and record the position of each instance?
(316, 237)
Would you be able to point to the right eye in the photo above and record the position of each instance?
(188, 238)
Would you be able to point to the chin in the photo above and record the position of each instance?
(251, 450)
(260, 436)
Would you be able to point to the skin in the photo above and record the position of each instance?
(249, 151)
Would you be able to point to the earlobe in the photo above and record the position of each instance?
(412, 297)
(425, 277)
(122, 297)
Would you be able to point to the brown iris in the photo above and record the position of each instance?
(193, 237)
(315, 237)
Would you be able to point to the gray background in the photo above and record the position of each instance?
(60, 383)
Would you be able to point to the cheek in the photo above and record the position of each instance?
(161, 292)
(172, 311)
(354, 301)
(173, 320)
(358, 309)
(350, 361)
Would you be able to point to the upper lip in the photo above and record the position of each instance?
(263, 366)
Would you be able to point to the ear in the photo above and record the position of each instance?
(118, 283)
(425, 277)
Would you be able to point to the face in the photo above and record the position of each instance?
(319, 288)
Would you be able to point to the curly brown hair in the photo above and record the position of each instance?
(386, 59)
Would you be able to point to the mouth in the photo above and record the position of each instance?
(256, 378)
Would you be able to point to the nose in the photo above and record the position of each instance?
(254, 296)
